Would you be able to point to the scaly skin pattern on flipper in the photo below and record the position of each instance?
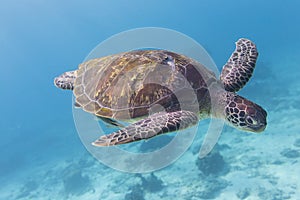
(151, 126)
(66, 80)
(239, 68)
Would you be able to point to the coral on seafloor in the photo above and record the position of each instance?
(74, 182)
(136, 193)
(290, 153)
(213, 164)
(151, 183)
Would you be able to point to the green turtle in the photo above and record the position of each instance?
(159, 91)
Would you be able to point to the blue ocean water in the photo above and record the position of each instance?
(42, 156)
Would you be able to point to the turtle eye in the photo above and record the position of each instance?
(250, 120)
(167, 58)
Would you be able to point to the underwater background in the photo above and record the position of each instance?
(42, 156)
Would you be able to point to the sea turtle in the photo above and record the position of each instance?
(127, 86)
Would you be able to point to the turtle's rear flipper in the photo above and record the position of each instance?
(66, 80)
(155, 124)
(239, 68)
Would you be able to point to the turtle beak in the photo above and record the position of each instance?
(263, 121)
(260, 128)
(257, 129)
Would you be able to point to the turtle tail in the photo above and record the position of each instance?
(66, 80)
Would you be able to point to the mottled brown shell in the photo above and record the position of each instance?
(130, 85)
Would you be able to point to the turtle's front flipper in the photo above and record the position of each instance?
(239, 68)
(149, 127)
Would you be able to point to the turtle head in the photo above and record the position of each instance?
(244, 114)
